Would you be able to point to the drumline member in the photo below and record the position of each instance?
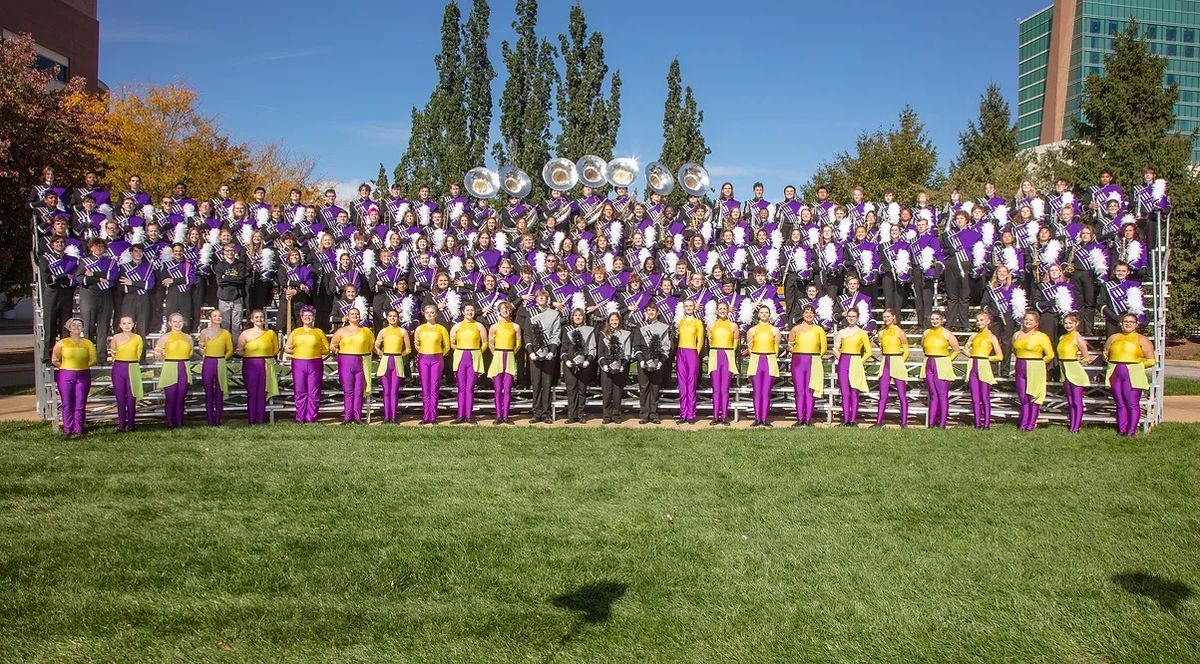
(690, 336)
(1073, 354)
(1033, 352)
(808, 345)
(1128, 354)
(504, 340)
(651, 343)
(851, 346)
(216, 348)
(174, 350)
(125, 351)
(615, 349)
(762, 343)
(353, 344)
(940, 347)
(893, 368)
(258, 347)
(73, 356)
(466, 340)
(393, 345)
(579, 358)
(307, 347)
(541, 331)
(723, 339)
(983, 348)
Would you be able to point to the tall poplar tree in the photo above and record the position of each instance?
(478, 75)
(988, 148)
(588, 121)
(526, 101)
(683, 139)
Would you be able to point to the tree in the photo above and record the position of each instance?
(988, 149)
(478, 80)
(683, 140)
(588, 121)
(381, 183)
(900, 158)
(526, 101)
(39, 127)
(416, 164)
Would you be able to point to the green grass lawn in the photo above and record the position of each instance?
(346, 544)
(1181, 386)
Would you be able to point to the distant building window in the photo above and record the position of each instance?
(1172, 34)
(1172, 50)
(1113, 28)
(1097, 27)
(1189, 36)
(1189, 51)
(48, 60)
(1151, 31)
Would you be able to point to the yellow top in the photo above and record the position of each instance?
(393, 341)
(721, 334)
(219, 346)
(506, 335)
(1068, 347)
(980, 346)
(77, 355)
(309, 343)
(179, 346)
(811, 341)
(935, 344)
(359, 343)
(433, 339)
(1035, 346)
(130, 351)
(857, 343)
(264, 345)
(1126, 348)
(762, 339)
(893, 341)
(691, 332)
(467, 337)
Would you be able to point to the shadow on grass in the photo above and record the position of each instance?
(593, 601)
(1167, 594)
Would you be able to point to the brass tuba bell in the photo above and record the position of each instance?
(482, 182)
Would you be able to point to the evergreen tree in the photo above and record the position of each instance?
(381, 184)
(683, 139)
(416, 165)
(526, 101)
(588, 121)
(478, 77)
(988, 149)
(671, 110)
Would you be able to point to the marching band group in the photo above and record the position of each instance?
(586, 289)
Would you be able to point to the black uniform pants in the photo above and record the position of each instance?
(649, 385)
(577, 381)
(612, 388)
(96, 311)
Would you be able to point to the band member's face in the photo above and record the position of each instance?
(922, 225)
(888, 318)
(726, 190)
(651, 314)
(1105, 179)
(176, 322)
(135, 183)
(1129, 324)
(689, 308)
(1055, 272)
(764, 314)
(852, 285)
(58, 244)
(577, 317)
(977, 213)
(789, 193)
(808, 316)
(443, 281)
(962, 221)
(722, 310)
(860, 233)
(392, 317)
(96, 250)
(796, 236)
(430, 313)
(989, 189)
(344, 262)
(811, 292)
(423, 193)
(760, 278)
(215, 318)
(822, 194)
(1029, 322)
(1002, 273)
(126, 324)
(258, 318)
(894, 233)
(1069, 324)
(177, 253)
(506, 309)
(126, 206)
(1121, 272)
(136, 254)
(981, 321)
(852, 317)
(468, 311)
(936, 320)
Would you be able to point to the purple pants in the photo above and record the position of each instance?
(306, 387)
(939, 395)
(73, 385)
(1029, 407)
(214, 399)
(1129, 401)
(254, 373)
(981, 398)
(886, 382)
(762, 380)
(430, 368)
(849, 394)
(720, 387)
(391, 387)
(465, 377)
(123, 391)
(687, 363)
(176, 395)
(806, 401)
(353, 381)
(1074, 406)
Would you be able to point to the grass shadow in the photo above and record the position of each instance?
(593, 601)
(1167, 594)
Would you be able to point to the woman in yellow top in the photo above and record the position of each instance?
(893, 372)
(258, 347)
(1073, 354)
(983, 348)
(1128, 354)
(687, 360)
(392, 344)
(851, 346)
(432, 342)
(808, 344)
(74, 357)
(308, 347)
(940, 347)
(723, 337)
(1033, 351)
(466, 339)
(353, 345)
(503, 340)
(125, 350)
(216, 347)
(174, 349)
(762, 343)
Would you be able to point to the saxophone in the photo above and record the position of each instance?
(1071, 258)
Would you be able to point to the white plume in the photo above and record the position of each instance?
(502, 242)
(368, 260)
(642, 255)
(298, 216)
(406, 312)
(885, 231)
(105, 210)
(608, 262)
(439, 238)
(424, 214)
(556, 241)
(710, 263)
(138, 236)
(739, 260)
(746, 311)
(266, 260)
(868, 207)
(125, 258)
(706, 231)
(988, 231)
(262, 215)
(926, 214)
(903, 261)
(1158, 189)
(401, 209)
(843, 229)
(1051, 253)
(539, 262)
(610, 308)
(456, 211)
(678, 312)
(1133, 252)
(978, 254)
(73, 251)
(148, 212)
(360, 303)
(454, 266)
(453, 303)
(926, 258)
(164, 254)
(649, 235)
(772, 262)
(868, 261)
(206, 254)
(776, 237)
(1019, 302)
(670, 261)
(1031, 231)
(739, 236)
(710, 313)
(180, 233)
(1001, 214)
(800, 260)
(1009, 257)
(677, 242)
(578, 301)
(214, 236)
(825, 308)
(968, 206)
(813, 236)
(402, 260)
(893, 212)
(583, 247)
(470, 240)
(1099, 261)
(615, 230)
(1067, 198)
(1039, 208)
(830, 253)
(864, 312)
(1063, 302)
(189, 210)
(246, 234)
(1136, 300)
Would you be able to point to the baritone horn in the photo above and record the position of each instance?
(560, 174)
(515, 182)
(693, 178)
(622, 171)
(593, 171)
(659, 179)
(482, 182)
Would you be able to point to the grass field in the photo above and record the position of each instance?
(387, 544)
(1181, 387)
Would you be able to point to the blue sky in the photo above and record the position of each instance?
(783, 85)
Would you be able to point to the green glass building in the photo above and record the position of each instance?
(1062, 44)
